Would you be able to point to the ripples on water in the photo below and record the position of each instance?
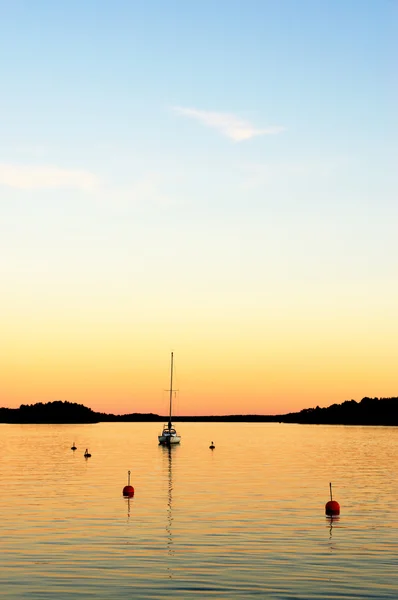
(244, 520)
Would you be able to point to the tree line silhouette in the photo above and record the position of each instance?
(66, 412)
(50, 412)
(369, 411)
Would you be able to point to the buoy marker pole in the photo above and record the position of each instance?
(332, 507)
(128, 489)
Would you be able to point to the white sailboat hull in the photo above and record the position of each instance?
(167, 439)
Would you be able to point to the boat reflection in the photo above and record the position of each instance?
(168, 452)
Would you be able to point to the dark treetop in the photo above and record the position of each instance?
(369, 411)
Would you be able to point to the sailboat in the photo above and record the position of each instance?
(169, 434)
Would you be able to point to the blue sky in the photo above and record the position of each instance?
(235, 158)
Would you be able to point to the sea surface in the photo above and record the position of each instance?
(245, 520)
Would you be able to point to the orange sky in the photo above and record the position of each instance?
(266, 360)
(231, 197)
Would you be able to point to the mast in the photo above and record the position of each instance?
(171, 387)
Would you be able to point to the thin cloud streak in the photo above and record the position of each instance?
(228, 124)
(28, 177)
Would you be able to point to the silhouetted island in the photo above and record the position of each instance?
(369, 411)
(50, 412)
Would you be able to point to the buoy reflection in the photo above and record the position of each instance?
(128, 500)
(331, 521)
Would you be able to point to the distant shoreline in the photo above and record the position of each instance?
(369, 411)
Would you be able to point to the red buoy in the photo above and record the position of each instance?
(332, 508)
(128, 489)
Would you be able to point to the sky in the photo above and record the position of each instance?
(216, 179)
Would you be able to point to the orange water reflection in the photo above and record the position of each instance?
(245, 519)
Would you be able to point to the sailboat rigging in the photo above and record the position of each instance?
(169, 434)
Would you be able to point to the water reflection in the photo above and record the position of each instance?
(128, 500)
(169, 521)
(168, 463)
(243, 523)
(330, 521)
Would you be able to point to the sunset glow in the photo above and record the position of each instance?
(231, 198)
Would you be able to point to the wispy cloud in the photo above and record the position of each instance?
(228, 124)
(25, 177)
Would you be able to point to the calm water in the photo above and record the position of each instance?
(245, 520)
